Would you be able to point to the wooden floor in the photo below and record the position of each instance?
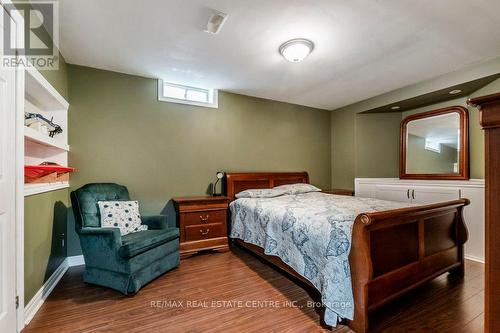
(189, 299)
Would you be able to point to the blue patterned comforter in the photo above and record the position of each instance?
(311, 233)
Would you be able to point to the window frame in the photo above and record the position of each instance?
(428, 145)
(214, 93)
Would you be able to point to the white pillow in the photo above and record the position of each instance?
(298, 188)
(121, 214)
(260, 193)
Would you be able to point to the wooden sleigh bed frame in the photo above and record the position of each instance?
(392, 251)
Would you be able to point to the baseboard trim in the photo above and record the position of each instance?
(474, 258)
(37, 301)
(76, 261)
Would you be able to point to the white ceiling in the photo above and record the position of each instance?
(362, 48)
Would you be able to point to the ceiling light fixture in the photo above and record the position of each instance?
(296, 50)
(395, 107)
(456, 91)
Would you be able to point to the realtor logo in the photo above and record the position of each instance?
(34, 43)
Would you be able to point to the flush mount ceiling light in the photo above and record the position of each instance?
(456, 91)
(395, 107)
(296, 50)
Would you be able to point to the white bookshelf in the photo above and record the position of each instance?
(41, 97)
(32, 189)
(41, 93)
(44, 140)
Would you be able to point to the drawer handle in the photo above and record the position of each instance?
(204, 219)
(204, 232)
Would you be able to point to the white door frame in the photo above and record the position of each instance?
(19, 175)
(20, 89)
(19, 157)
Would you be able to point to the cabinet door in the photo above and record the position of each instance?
(364, 190)
(393, 193)
(428, 195)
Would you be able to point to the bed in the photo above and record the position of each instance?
(359, 253)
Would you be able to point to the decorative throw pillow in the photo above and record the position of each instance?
(260, 193)
(298, 188)
(121, 214)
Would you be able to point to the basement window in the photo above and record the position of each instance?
(177, 93)
(432, 146)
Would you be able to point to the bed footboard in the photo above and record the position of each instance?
(395, 251)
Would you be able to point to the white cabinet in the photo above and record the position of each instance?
(427, 192)
(427, 195)
(416, 194)
(392, 193)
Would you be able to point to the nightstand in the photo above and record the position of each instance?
(202, 224)
(339, 191)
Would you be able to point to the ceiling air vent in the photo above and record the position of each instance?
(215, 22)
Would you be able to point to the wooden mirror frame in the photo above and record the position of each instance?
(463, 158)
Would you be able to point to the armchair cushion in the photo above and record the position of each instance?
(121, 214)
(142, 241)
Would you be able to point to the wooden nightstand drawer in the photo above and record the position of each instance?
(202, 223)
(203, 217)
(204, 231)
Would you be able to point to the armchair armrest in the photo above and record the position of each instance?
(111, 236)
(155, 222)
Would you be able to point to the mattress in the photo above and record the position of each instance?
(311, 233)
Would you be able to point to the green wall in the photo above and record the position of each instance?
(367, 145)
(377, 145)
(120, 132)
(344, 152)
(45, 218)
(364, 145)
(58, 79)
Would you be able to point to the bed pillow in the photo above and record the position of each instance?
(298, 188)
(121, 214)
(260, 193)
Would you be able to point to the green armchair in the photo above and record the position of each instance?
(125, 263)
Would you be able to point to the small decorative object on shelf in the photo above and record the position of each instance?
(46, 172)
(202, 223)
(41, 124)
(219, 175)
(339, 191)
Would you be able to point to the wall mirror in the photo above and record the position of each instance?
(434, 145)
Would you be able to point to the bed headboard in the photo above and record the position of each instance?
(236, 182)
